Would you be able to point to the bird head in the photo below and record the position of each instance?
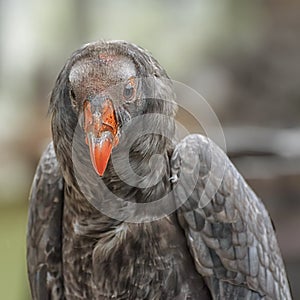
(102, 87)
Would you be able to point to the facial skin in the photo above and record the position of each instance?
(98, 85)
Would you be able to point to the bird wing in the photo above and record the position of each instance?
(228, 229)
(44, 258)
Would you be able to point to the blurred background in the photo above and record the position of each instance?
(243, 57)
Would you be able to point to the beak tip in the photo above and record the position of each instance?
(99, 171)
(100, 152)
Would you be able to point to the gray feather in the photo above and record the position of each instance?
(236, 248)
(44, 253)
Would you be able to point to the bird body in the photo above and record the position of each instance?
(97, 228)
(128, 261)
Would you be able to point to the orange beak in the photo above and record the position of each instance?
(101, 129)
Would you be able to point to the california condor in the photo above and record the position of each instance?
(120, 210)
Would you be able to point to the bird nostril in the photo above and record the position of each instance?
(97, 122)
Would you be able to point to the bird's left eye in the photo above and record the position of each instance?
(73, 98)
(72, 94)
(129, 90)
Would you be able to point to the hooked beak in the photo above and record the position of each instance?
(101, 129)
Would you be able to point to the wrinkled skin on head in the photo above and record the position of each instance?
(102, 88)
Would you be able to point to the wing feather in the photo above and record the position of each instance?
(228, 229)
(44, 259)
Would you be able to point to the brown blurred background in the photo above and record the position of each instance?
(243, 57)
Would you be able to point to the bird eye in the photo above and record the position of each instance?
(73, 98)
(72, 94)
(129, 90)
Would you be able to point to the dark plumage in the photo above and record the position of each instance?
(219, 244)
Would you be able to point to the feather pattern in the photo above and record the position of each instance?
(230, 237)
(44, 256)
(219, 245)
